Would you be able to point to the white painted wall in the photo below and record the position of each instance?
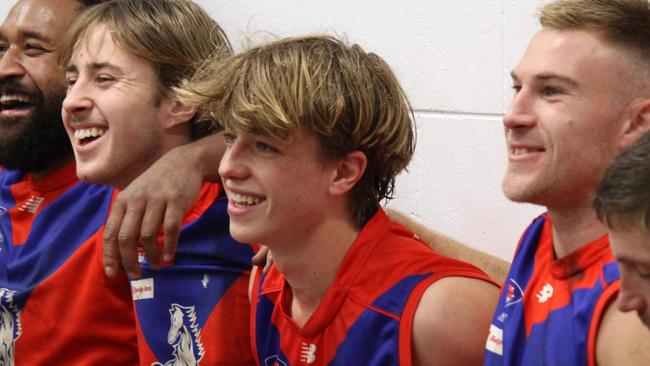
(453, 58)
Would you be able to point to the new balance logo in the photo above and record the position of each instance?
(545, 293)
(308, 353)
(32, 204)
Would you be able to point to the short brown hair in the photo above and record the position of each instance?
(349, 99)
(624, 23)
(176, 36)
(623, 196)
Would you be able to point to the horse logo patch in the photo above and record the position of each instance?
(184, 337)
(10, 327)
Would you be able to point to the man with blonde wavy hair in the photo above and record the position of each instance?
(582, 93)
(121, 61)
(316, 133)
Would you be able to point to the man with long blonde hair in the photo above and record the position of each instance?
(121, 61)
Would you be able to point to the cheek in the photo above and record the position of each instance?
(47, 75)
(645, 288)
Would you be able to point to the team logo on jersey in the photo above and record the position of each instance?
(184, 336)
(514, 293)
(545, 293)
(308, 353)
(274, 361)
(10, 327)
(32, 204)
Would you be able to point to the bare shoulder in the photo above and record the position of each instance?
(622, 339)
(452, 321)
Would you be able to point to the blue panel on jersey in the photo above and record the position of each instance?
(207, 263)
(381, 349)
(394, 300)
(267, 352)
(59, 229)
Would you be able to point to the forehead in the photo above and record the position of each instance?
(577, 54)
(97, 46)
(631, 244)
(46, 17)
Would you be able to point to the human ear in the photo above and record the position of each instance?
(349, 171)
(638, 124)
(179, 113)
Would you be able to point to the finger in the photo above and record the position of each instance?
(127, 237)
(111, 252)
(151, 223)
(171, 229)
(259, 259)
(269, 262)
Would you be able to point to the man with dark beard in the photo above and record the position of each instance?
(57, 307)
(30, 143)
(62, 308)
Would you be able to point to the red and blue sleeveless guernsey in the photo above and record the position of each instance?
(56, 305)
(549, 310)
(196, 311)
(366, 316)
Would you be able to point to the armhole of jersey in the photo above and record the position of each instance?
(406, 321)
(606, 299)
(257, 273)
(408, 315)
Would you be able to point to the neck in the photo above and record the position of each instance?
(54, 165)
(574, 228)
(310, 264)
(169, 141)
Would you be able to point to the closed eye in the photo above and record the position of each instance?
(33, 49)
(265, 148)
(550, 91)
(103, 79)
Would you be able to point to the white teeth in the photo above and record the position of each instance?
(13, 98)
(522, 151)
(246, 200)
(84, 133)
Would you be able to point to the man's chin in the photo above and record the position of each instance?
(11, 121)
(93, 176)
(11, 130)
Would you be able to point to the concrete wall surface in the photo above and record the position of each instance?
(453, 58)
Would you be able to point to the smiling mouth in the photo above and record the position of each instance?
(524, 151)
(15, 102)
(86, 135)
(241, 200)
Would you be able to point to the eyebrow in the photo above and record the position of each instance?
(92, 66)
(28, 34)
(36, 35)
(545, 76)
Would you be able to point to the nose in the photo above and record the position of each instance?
(77, 102)
(629, 296)
(10, 64)
(520, 113)
(233, 164)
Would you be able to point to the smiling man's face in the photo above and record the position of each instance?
(32, 84)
